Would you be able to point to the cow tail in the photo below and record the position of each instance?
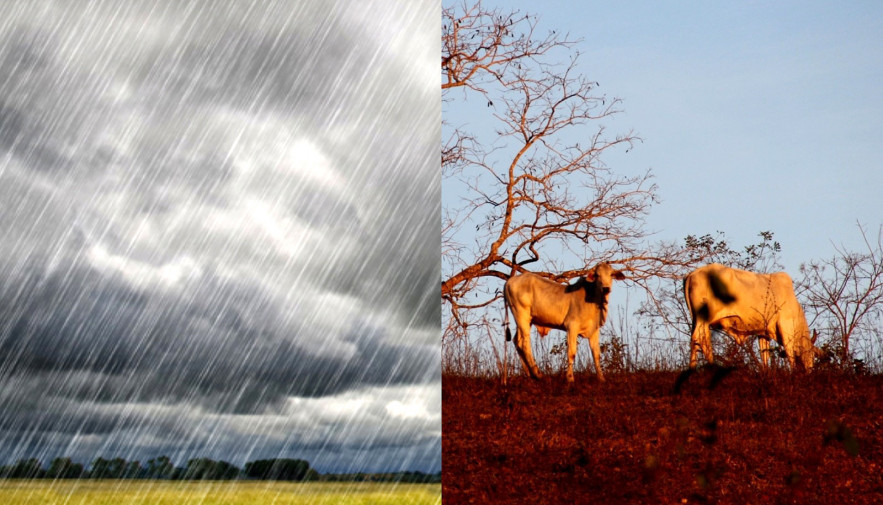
(687, 296)
(692, 315)
(506, 316)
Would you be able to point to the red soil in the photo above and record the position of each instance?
(714, 436)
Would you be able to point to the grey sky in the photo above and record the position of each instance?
(220, 229)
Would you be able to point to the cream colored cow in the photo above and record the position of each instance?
(579, 309)
(745, 304)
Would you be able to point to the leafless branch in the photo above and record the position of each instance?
(534, 189)
(844, 293)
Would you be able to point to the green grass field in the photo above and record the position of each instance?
(125, 492)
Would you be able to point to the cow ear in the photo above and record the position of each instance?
(618, 275)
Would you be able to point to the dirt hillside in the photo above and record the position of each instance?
(714, 436)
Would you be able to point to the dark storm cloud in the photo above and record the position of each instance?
(19, 137)
(226, 347)
(11, 127)
(208, 210)
(85, 430)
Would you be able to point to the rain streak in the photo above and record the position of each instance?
(220, 228)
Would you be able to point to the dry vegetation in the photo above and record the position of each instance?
(718, 435)
(164, 492)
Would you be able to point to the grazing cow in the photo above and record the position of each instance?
(744, 304)
(578, 309)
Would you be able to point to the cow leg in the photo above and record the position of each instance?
(700, 339)
(789, 351)
(595, 344)
(571, 352)
(693, 352)
(764, 346)
(694, 343)
(785, 334)
(522, 345)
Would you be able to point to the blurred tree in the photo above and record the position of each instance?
(100, 469)
(30, 468)
(208, 469)
(116, 468)
(64, 468)
(133, 470)
(531, 185)
(160, 468)
(278, 469)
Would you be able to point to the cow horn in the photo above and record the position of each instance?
(815, 335)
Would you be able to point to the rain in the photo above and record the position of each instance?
(220, 232)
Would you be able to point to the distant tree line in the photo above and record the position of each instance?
(404, 477)
(284, 469)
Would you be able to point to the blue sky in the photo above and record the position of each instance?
(754, 117)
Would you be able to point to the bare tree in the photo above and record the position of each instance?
(845, 295)
(529, 176)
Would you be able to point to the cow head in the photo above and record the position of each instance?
(815, 353)
(806, 350)
(603, 275)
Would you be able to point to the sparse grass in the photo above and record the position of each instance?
(117, 492)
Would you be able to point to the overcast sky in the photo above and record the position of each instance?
(220, 232)
(754, 115)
